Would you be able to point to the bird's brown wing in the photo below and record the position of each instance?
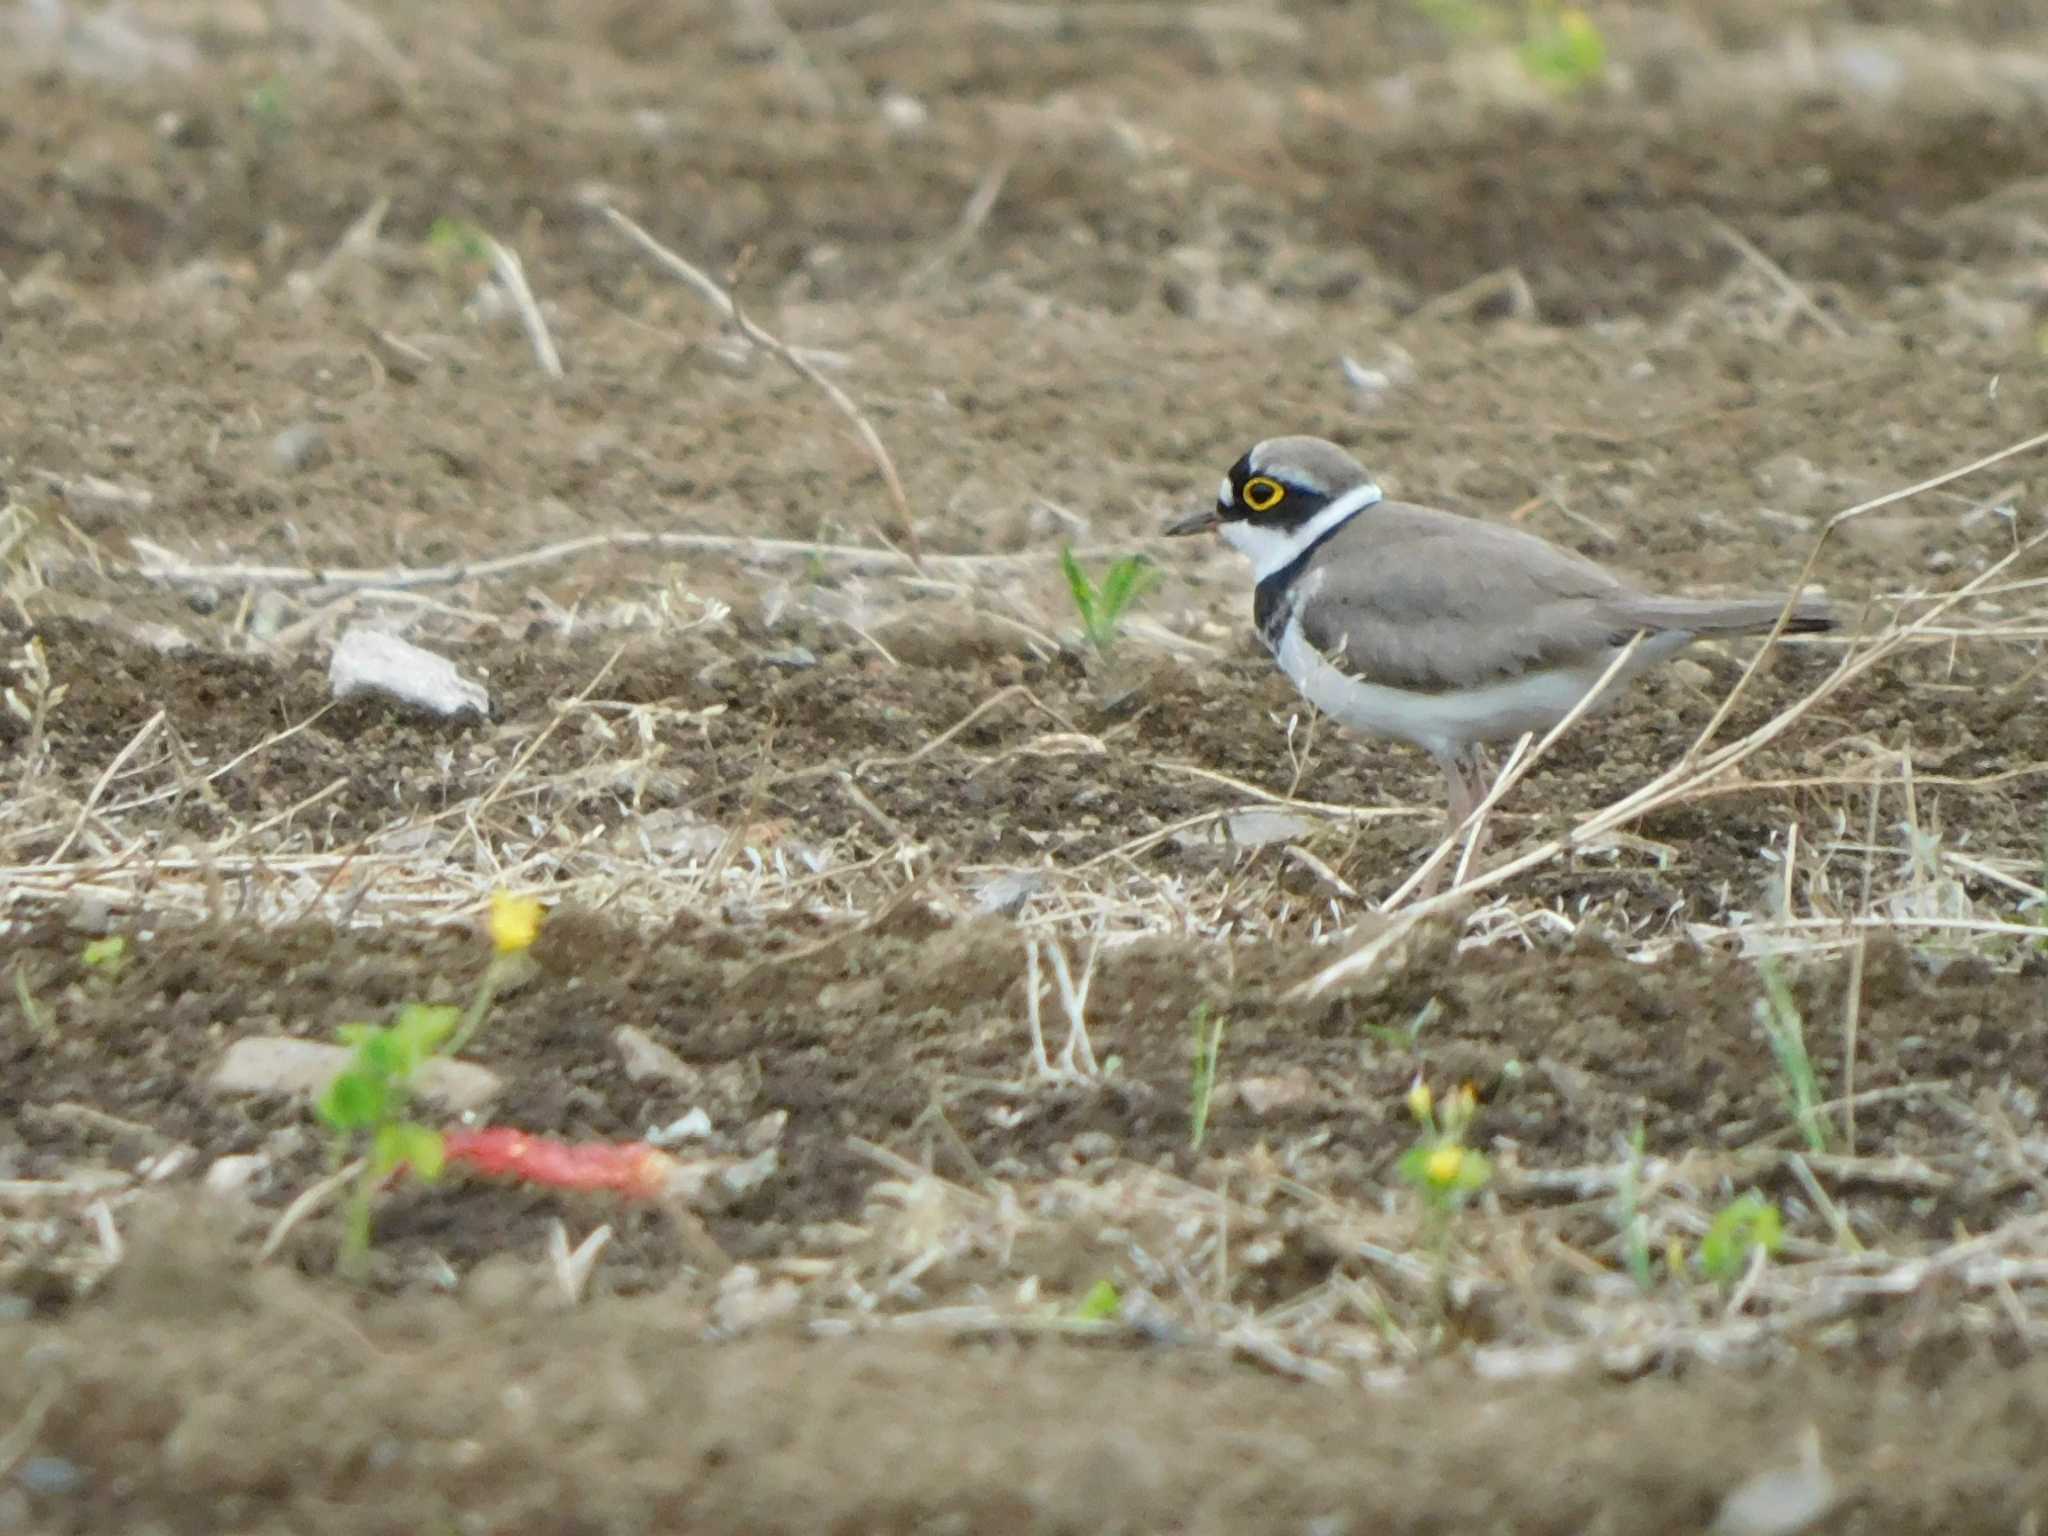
(1410, 597)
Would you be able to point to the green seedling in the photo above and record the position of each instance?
(1208, 1052)
(1460, 19)
(366, 1103)
(366, 1106)
(106, 957)
(1558, 45)
(454, 244)
(1102, 609)
(269, 107)
(1101, 1304)
(1562, 48)
(32, 1012)
(1743, 1226)
(1778, 1015)
(1628, 1214)
(1407, 1037)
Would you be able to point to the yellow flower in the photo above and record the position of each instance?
(515, 922)
(1444, 1166)
(1419, 1100)
(1460, 1104)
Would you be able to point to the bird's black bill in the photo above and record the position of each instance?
(1193, 522)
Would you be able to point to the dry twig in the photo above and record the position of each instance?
(726, 305)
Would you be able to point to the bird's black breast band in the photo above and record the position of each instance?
(1271, 605)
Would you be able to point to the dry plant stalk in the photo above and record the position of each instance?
(727, 306)
(159, 564)
(512, 273)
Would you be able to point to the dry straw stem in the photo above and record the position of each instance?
(1696, 770)
(1778, 276)
(92, 799)
(1259, 23)
(975, 214)
(160, 564)
(512, 273)
(724, 303)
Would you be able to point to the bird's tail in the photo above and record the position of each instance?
(1724, 616)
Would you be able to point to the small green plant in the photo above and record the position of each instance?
(1628, 1214)
(1440, 1167)
(1562, 47)
(33, 1013)
(1208, 1053)
(1101, 1304)
(1102, 608)
(454, 244)
(1778, 1015)
(1407, 1037)
(365, 1105)
(269, 107)
(1743, 1226)
(105, 958)
(1558, 45)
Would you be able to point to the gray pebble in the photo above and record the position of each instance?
(50, 1475)
(300, 447)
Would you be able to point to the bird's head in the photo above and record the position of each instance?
(1281, 497)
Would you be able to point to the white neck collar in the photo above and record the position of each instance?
(1271, 550)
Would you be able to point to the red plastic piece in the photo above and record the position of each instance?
(629, 1168)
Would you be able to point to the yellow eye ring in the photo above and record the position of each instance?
(1262, 494)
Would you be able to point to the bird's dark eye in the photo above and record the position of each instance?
(1261, 493)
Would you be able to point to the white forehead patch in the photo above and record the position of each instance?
(1225, 496)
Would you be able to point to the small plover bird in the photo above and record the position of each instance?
(1435, 629)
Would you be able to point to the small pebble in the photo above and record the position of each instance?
(1094, 1146)
(369, 660)
(50, 1475)
(903, 113)
(300, 447)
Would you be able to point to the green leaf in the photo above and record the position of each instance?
(429, 1023)
(420, 1031)
(1566, 51)
(354, 1101)
(392, 1148)
(1078, 584)
(424, 1150)
(1101, 1304)
(1742, 1227)
(382, 1054)
(1129, 579)
(105, 954)
(457, 240)
(1474, 1173)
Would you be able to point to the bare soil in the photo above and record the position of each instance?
(776, 794)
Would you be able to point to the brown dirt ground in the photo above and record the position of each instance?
(1197, 219)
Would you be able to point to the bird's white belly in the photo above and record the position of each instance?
(1446, 723)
